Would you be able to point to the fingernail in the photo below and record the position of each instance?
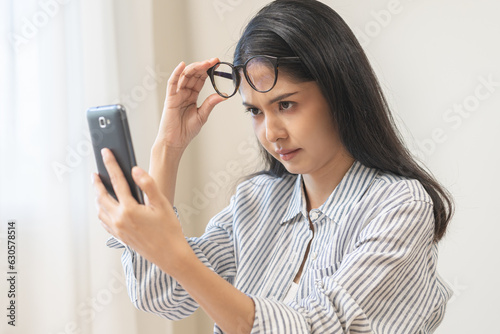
(104, 153)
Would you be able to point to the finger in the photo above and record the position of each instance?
(174, 79)
(148, 186)
(105, 219)
(107, 227)
(198, 85)
(208, 105)
(118, 181)
(194, 75)
(104, 201)
(191, 74)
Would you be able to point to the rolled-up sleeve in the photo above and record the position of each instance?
(151, 290)
(385, 284)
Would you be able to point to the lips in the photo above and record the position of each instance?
(287, 154)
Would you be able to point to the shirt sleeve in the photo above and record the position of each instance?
(151, 290)
(386, 284)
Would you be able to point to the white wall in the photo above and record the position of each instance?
(433, 58)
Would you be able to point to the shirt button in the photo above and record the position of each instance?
(314, 215)
(314, 255)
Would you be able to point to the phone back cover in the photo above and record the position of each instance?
(115, 136)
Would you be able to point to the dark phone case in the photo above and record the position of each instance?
(115, 136)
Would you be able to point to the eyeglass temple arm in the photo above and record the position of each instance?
(290, 59)
(221, 74)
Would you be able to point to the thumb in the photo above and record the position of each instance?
(208, 105)
(147, 185)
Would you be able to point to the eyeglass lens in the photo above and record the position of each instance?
(260, 73)
(225, 79)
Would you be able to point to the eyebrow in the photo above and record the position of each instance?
(274, 100)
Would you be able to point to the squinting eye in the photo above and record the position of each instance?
(285, 105)
(253, 111)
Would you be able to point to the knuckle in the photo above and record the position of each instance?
(171, 80)
(125, 212)
(118, 225)
(124, 215)
(147, 182)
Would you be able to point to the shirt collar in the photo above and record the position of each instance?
(348, 192)
(297, 202)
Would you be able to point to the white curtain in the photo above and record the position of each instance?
(57, 58)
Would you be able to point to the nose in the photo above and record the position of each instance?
(275, 129)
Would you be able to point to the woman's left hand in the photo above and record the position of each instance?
(152, 230)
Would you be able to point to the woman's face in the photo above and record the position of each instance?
(293, 123)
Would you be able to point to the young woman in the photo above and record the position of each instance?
(337, 235)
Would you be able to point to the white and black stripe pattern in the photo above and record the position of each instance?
(371, 266)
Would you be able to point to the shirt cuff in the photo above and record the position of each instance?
(112, 242)
(272, 316)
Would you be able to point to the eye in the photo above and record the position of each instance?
(253, 111)
(286, 105)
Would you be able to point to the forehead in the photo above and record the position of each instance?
(285, 86)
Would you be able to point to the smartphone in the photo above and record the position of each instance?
(109, 128)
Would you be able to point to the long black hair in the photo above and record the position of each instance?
(332, 57)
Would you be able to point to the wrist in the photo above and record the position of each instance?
(183, 262)
(163, 153)
(165, 148)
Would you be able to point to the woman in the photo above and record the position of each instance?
(337, 235)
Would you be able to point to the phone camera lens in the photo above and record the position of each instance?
(102, 122)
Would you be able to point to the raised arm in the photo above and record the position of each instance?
(181, 121)
(152, 230)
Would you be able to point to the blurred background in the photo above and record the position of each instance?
(437, 62)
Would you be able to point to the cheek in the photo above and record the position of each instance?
(328, 141)
(320, 136)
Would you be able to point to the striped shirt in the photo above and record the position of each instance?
(371, 267)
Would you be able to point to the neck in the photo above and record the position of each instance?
(319, 186)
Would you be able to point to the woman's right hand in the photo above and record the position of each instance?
(182, 119)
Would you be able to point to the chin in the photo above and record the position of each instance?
(292, 169)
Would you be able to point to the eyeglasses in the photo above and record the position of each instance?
(261, 73)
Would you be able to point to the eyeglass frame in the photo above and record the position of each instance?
(235, 68)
